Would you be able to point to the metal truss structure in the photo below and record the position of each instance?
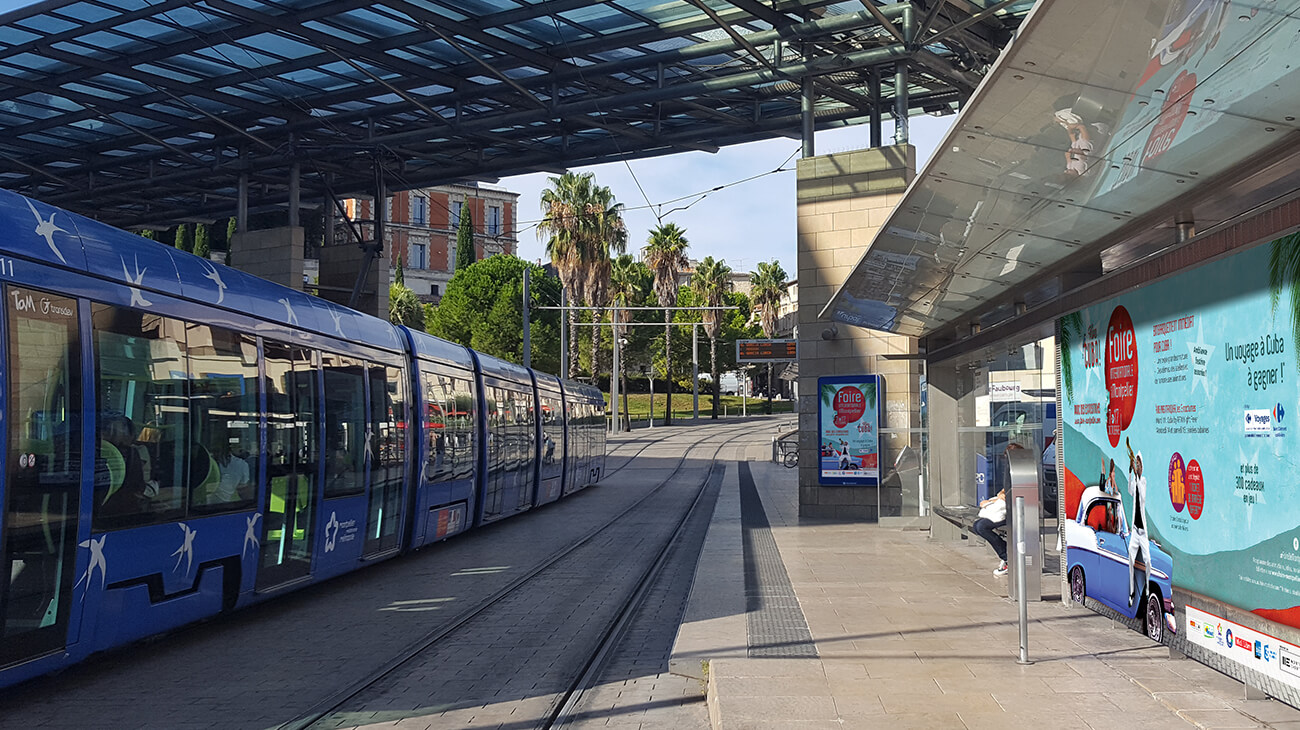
(144, 113)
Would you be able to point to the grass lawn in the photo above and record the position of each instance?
(638, 405)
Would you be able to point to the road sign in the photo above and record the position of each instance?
(766, 350)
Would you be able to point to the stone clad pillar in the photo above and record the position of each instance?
(843, 200)
(274, 254)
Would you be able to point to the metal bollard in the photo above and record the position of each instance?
(1022, 598)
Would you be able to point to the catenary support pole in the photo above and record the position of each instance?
(615, 423)
(695, 369)
(564, 333)
(528, 345)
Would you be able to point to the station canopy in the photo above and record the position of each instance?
(144, 113)
(1105, 131)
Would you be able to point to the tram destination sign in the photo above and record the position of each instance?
(766, 350)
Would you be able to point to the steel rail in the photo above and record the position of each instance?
(331, 703)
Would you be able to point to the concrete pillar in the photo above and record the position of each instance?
(843, 200)
(274, 254)
(338, 275)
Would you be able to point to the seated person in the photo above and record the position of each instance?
(235, 478)
(131, 493)
(993, 514)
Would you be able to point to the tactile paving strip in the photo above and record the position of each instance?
(777, 627)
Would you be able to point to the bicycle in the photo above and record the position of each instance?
(791, 459)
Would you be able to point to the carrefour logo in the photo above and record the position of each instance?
(1278, 413)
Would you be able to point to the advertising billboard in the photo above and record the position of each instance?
(1178, 405)
(848, 429)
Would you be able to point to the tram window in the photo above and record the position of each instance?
(345, 425)
(43, 468)
(387, 455)
(448, 432)
(224, 417)
(461, 425)
(291, 449)
(142, 418)
(552, 431)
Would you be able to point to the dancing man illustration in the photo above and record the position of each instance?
(1137, 539)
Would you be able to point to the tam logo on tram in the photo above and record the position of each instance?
(183, 439)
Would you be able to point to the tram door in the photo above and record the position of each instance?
(42, 474)
(289, 510)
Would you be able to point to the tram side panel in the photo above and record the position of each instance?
(507, 400)
(449, 450)
(552, 443)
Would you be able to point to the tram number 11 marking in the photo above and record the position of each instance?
(6, 266)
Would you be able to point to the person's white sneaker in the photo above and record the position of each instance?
(1001, 569)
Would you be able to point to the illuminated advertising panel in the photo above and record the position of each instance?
(848, 429)
(1179, 400)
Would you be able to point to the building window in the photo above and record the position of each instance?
(419, 256)
(419, 210)
(494, 221)
(455, 214)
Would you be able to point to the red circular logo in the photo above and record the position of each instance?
(849, 406)
(1172, 115)
(1121, 373)
(1177, 482)
(1195, 490)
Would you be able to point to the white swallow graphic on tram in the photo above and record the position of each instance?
(289, 316)
(186, 550)
(338, 321)
(212, 273)
(46, 229)
(97, 560)
(137, 297)
(250, 533)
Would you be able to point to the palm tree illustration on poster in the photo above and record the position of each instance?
(848, 430)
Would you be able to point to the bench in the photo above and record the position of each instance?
(964, 517)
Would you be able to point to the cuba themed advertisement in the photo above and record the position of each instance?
(1180, 400)
(848, 419)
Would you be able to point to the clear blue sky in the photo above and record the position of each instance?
(742, 223)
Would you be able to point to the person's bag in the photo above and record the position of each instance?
(995, 511)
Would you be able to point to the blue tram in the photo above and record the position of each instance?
(182, 439)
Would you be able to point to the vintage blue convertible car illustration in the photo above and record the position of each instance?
(1097, 556)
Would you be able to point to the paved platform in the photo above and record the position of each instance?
(914, 633)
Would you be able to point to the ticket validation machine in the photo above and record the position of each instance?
(1024, 484)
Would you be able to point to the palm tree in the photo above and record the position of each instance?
(603, 228)
(1284, 277)
(665, 254)
(629, 283)
(712, 280)
(562, 206)
(767, 286)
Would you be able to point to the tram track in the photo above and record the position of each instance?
(324, 712)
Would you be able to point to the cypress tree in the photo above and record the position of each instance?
(202, 247)
(230, 238)
(465, 239)
(183, 237)
(399, 276)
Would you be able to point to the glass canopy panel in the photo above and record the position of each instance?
(1084, 125)
(46, 24)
